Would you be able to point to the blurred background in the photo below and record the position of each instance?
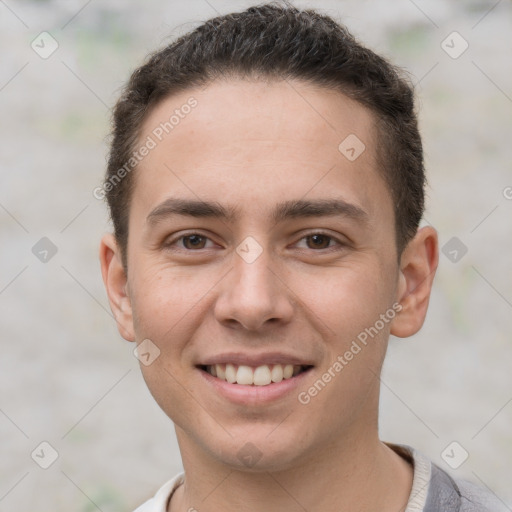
(67, 378)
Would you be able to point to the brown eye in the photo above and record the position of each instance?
(318, 241)
(321, 242)
(194, 241)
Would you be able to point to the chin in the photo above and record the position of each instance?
(259, 451)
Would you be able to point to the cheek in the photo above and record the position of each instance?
(349, 303)
(346, 299)
(164, 306)
(163, 298)
(167, 304)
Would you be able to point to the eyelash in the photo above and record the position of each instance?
(341, 244)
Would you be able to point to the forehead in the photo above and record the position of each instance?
(253, 143)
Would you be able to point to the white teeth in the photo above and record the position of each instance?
(277, 373)
(244, 375)
(288, 371)
(230, 373)
(221, 371)
(260, 376)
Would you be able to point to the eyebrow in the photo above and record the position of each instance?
(291, 209)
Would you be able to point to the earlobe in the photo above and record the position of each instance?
(116, 285)
(417, 270)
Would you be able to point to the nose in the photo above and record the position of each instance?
(254, 295)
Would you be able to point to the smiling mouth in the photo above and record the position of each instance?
(263, 375)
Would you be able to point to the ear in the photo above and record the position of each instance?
(418, 265)
(115, 281)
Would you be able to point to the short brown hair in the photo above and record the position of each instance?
(277, 42)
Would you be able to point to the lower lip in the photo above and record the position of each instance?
(254, 395)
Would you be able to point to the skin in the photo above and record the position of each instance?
(251, 145)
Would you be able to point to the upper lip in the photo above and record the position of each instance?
(255, 360)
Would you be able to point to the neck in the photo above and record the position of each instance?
(345, 476)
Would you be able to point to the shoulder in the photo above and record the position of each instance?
(159, 502)
(448, 493)
(475, 498)
(435, 490)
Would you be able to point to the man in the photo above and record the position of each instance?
(265, 182)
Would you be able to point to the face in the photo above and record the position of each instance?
(259, 251)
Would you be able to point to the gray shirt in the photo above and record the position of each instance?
(433, 490)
